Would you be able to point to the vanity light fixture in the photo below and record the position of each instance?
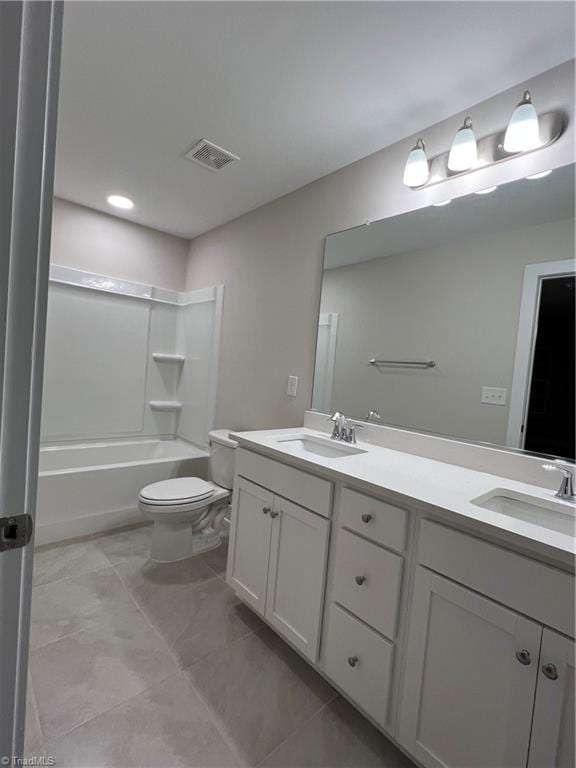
(523, 132)
(416, 170)
(526, 132)
(486, 191)
(442, 203)
(540, 175)
(119, 201)
(464, 150)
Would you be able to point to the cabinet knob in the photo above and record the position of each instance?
(523, 657)
(266, 510)
(367, 517)
(274, 514)
(550, 671)
(360, 580)
(353, 660)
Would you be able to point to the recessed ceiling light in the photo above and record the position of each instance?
(486, 191)
(118, 201)
(444, 202)
(540, 175)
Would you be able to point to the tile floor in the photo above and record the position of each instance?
(136, 664)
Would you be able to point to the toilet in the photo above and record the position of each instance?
(188, 512)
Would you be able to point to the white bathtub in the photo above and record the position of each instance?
(88, 487)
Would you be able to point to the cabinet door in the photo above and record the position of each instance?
(552, 744)
(296, 575)
(250, 533)
(470, 679)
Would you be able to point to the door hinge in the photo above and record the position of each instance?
(15, 532)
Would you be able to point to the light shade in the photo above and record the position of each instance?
(523, 132)
(416, 170)
(464, 150)
(119, 201)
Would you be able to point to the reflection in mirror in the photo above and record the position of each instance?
(457, 320)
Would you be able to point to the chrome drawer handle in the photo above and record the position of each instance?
(367, 517)
(353, 660)
(550, 671)
(360, 580)
(274, 514)
(523, 657)
(266, 510)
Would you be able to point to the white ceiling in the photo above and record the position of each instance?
(516, 205)
(296, 89)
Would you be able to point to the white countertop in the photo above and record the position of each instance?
(439, 484)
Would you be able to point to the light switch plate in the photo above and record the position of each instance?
(292, 386)
(494, 395)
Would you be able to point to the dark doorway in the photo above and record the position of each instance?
(550, 418)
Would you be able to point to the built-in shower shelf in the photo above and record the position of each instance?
(167, 357)
(165, 405)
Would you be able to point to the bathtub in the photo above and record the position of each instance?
(89, 487)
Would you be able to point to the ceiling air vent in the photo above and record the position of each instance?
(210, 155)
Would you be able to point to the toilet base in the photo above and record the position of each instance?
(172, 542)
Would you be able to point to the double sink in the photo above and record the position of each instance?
(555, 515)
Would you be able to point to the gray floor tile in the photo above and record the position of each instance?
(216, 558)
(260, 691)
(86, 674)
(195, 619)
(167, 726)
(125, 544)
(60, 561)
(63, 607)
(33, 738)
(142, 578)
(337, 737)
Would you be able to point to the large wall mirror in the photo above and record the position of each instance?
(457, 319)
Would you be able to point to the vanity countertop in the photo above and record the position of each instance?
(428, 481)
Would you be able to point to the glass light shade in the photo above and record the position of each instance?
(541, 175)
(523, 132)
(416, 170)
(486, 191)
(464, 150)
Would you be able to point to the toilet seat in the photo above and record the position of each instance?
(177, 492)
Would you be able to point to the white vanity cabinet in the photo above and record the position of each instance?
(485, 685)
(364, 597)
(278, 549)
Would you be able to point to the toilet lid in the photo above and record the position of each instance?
(179, 490)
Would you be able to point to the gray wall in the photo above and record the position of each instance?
(271, 259)
(86, 239)
(457, 304)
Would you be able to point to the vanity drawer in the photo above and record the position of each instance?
(375, 519)
(307, 490)
(367, 581)
(359, 661)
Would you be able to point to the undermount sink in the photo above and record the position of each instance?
(547, 513)
(309, 446)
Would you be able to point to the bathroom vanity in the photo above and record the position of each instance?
(437, 598)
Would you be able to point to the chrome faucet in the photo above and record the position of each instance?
(343, 430)
(566, 490)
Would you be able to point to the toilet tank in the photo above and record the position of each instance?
(222, 455)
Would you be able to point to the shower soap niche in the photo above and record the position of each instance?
(165, 405)
(167, 357)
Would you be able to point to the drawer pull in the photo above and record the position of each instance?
(360, 580)
(353, 660)
(523, 657)
(367, 517)
(550, 671)
(265, 510)
(274, 514)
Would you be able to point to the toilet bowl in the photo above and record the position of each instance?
(188, 512)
